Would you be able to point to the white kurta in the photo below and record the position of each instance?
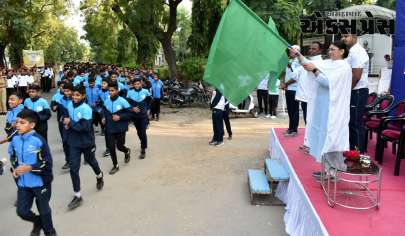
(330, 122)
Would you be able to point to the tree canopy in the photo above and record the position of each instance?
(37, 24)
(130, 33)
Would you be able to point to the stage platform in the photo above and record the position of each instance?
(307, 211)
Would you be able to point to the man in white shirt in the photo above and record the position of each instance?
(24, 79)
(46, 79)
(263, 97)
(359, 61)
(290, 86)
(218, 103)
(305, 86)
(306, 90)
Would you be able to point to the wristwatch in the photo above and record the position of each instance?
(314, 70)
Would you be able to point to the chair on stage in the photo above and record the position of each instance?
(381, 107)
(391, 129)
(372, 100)
(395, 137)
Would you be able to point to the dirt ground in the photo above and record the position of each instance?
(183, 187)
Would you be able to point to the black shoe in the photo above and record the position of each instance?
(76, 202)
(106, 153)
(51, 234)
(291, 134)
(127, 156)
(100, 182)
(114, 170)
(66, 166)
(36, 230)
(142, 155)
(316, 174)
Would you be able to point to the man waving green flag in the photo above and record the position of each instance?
(244, 50)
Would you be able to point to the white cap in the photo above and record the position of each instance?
(296, 47)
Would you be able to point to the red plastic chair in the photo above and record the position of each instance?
(372, 101)
(391, 135)
(382, 107)
(372, 97)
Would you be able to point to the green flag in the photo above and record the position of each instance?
(272, 85)
(243, 51)
(272, 25)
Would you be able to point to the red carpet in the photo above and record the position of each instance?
(388, 220)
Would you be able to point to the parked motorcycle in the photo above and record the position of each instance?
(196, 94)
(168, 87)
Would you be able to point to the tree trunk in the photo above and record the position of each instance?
(170, 56)
(165, 39)
(3, 55)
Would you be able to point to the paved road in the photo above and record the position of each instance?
(183, 187)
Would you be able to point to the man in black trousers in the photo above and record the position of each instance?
(217, 106)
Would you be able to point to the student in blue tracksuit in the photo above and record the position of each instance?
(32, 168)
(41, 107)
(80, 78)
(157, 92)
(116, 114)
(81, 141)
(139, 99)
(92, 98)
(54, 103)
(99, 80)
(103, 95)
(121, 86)
(62, 111)
(55, 98)
(15, 103)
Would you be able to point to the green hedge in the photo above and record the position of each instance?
(192, 69)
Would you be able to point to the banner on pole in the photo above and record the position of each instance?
(33, 58)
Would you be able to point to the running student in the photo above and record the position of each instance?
(157, 92)
(103, 95)
(41, 107)
(92, 97)
(15, 103)
(61, 107)
(139, 99)
(81, 141)
(116, 114)
(32, 169)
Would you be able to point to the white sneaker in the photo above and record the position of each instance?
(273, 117)
(219, 144)
(267, 116)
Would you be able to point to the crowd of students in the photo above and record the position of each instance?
(18, 80)
(88, 96)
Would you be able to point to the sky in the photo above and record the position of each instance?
(76, 20)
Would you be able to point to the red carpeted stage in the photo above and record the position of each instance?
(307, 211)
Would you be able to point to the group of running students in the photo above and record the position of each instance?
(86, 97)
